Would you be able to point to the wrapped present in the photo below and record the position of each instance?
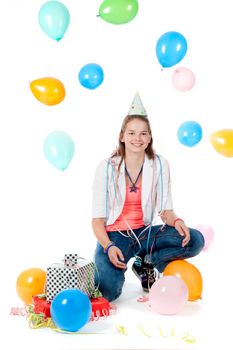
(74, 272)
(100, 307)
(71, 260)
(41, 306)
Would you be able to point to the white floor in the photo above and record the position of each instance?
(203, 322)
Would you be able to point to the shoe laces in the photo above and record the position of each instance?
(151, 275)
(138, 261)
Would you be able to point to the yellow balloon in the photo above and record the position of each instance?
(29, 283)
(189, 274)
(49, 91)
(222, 141)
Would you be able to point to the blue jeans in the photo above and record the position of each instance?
(163, 246)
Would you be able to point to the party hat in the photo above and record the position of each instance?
(137, 106)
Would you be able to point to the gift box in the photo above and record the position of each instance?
(100, 307)
(71, 260)
(74, 272)
(41, 306)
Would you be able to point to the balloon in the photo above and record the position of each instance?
(91, 76)
(71, 310)
(208, 234)
(183, 79)
(49, 91)
(171, 48)
(118, 12)
(59, 149)
(54, 19)
(29, 283)
(222, 141)
(189, 133)
(189, 274)
(168, 295)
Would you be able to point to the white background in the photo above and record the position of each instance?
(46, 213)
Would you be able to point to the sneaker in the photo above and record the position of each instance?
(138, 268)
(145, 272)
(152, 275)
(139, 271)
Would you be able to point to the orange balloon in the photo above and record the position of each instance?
(189, 274)
(29, 283)
(49, 91)
(222, 141)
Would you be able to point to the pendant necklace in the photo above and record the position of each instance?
(133, 188)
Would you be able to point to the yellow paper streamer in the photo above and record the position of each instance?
(37, 321)
(143, 331)
(121, 329)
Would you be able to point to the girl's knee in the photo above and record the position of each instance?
(109, 281)
(197, 239)
(111, 294)
(111, 289)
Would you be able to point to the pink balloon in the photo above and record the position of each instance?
(168, 295)
(183, 79)
(208, 234)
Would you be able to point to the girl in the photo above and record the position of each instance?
(129, 189)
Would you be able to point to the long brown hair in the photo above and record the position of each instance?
(120, 151)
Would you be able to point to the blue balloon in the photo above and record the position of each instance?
(59, 149)
(171, 48)
(91, 76)
(189, 133)
(71, 310)
(54, 19)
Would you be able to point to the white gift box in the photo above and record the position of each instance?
(75, 272)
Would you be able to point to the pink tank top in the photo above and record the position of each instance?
(131, 213)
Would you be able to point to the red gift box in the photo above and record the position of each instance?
(41, 306)
(100, 307)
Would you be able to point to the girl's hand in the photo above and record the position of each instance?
(183, 231)
(116, 257)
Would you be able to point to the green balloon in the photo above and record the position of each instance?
(118, 11)
(59, 149)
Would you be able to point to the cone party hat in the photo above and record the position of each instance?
(137, 106)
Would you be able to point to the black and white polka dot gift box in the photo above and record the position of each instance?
(71, 260)
(75, 272)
